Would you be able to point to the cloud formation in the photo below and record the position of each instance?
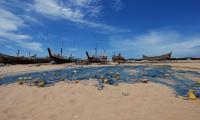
(10, 25)
(158, 42)
(90, 7)
(76, 11)
(81, 12)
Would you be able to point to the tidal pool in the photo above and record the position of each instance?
(180, 80)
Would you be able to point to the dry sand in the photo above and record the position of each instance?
(184, 65)
(15, 69)
(82, 101)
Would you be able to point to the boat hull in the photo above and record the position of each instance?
(7, 59)
(118, 58)
(158, 58)
(60, 60)
(93, 59)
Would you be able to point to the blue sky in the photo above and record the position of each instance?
(131, 27)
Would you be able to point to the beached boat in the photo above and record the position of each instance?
(181, 58)
(97, 59)
(186, 58)
(118, 58)
(133, 59)
(1, 60)
(60, 59)
(158, 58)
(194, 58)
(7, 59)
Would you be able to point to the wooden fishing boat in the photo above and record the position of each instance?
(97, 59)
(158, 58)
(1, 60)
(186, 58)
(181, 58)
(194, 58)
(59, 59)
(7, 59)
(118, 58)
(134, 59)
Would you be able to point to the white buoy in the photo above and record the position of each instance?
(74, 72)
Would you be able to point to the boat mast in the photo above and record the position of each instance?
(17, 52)
(61, 49)
(102, 47)
(96, 49)
(74, 46)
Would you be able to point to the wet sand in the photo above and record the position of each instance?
(82, 101)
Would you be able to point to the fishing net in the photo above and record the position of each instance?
(180, 80)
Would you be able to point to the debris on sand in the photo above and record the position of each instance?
(125, 93)
(2, 64)
(29, 81)
(77, 81)
(144, 80)
(21, 82)
(74, 72)
(191, 95)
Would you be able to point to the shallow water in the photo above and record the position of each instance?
(180, 80)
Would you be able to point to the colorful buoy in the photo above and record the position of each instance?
(191, 95)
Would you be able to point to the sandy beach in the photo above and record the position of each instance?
(82, 101)
(15, 69)
(99, 59)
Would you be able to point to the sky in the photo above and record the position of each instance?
(131, 27)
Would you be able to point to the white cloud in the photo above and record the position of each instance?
(31, 45)
(158, 42)
(82, 3)
(91, 8)
(31, 19)
(10, 25)
(57, 9)
(53, 8)
(8, 21)
(13, 36)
